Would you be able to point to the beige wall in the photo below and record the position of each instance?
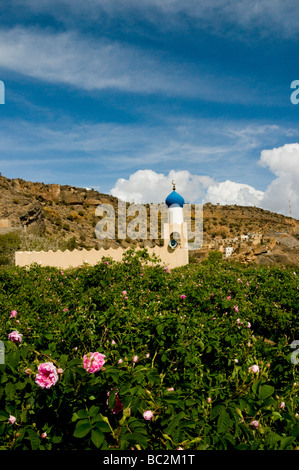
(66, 259)
(4, 223)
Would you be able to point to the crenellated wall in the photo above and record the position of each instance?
(65, 259)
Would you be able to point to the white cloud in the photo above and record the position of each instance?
(147, 186)
(229, 192)
(89, 63)
(221, 16)
(284, 163)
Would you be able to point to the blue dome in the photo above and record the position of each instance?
(174, 199)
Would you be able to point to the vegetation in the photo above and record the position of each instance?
(198, 357)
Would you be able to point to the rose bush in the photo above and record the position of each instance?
(194, 358)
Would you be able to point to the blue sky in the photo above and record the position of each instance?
(124, 96)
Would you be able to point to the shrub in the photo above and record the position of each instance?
(197, 357)
(9, 243)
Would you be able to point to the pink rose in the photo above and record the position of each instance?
(135, 358)
(12, 419)
(13, 313)
(254, 368)
(93, 362)
(254, 424)
(15, 337)
(124, 292)
(183, 296)
(47, 375)
(148, 415)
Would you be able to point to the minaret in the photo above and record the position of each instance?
(175, 231)
(175, 203)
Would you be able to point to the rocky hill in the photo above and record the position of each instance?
(52, 216)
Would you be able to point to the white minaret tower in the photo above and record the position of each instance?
(175, 203)
(175, 231)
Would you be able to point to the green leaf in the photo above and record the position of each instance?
(3, 415)
(10, 391)
(136, 438)
(276, 415)
(48, 336)
(217, 409)
(286, 441)
(34, 439)
(104, 427)
(2, 428)
(24, 351)
(272, 438)
(13, 358)
(255, 386)
(224, 422)
(265, 391)
(83, 427)
(97, 437)
(82, 414)
(93, 410)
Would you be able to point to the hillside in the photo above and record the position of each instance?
(52, 216)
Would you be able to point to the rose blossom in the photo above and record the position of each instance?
(13, 313)
(93, 361)
(148, 415)
(118, 405)
(255, 424)
(12, 419)
(15, 337)
(254, 368)
(47, 375)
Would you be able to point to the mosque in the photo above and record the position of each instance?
(174, 252)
